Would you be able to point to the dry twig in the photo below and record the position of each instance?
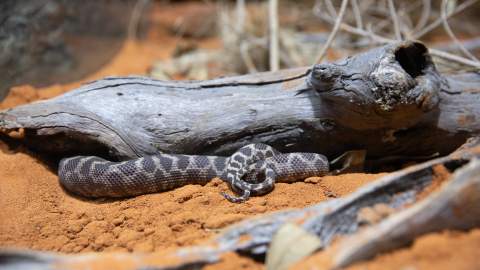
(240, 12)
(450, 33)
(332, 35)
(423, 20)
(439, 21)
(135, 18)
(378, 39)
(273, 26)
(356, 14)
(396, 23)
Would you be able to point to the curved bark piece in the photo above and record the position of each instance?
(390, 101)
(456, 206)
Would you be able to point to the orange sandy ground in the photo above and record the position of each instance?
(38, 214)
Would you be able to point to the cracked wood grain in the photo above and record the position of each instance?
(390, 101)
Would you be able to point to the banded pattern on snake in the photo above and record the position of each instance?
(252, 170)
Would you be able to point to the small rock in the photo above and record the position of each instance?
(140, 228)
(104, 239)
(74, 227)
(118, 221)
(313, 180)
(148, 231)
(176, 228)
(81, 241)
(128, 236)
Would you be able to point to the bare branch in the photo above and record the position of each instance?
(332, 35)
(469, 44)
(240, 10)
(135, 18)
(247, 59)
(450, 33)
(330, 8)
(396, 25)
(426, 10)
(273, 25)
(382, 40)
(455, 58)
(357, 15)
(437, 22)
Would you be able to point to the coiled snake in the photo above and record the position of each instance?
(252, 170)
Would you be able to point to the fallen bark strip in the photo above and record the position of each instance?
(455, 205)
(390, 101)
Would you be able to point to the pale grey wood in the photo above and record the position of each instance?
(455, 206)
(390, 101)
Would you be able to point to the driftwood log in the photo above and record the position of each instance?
(390, 101)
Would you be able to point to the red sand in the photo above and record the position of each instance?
(38, 214)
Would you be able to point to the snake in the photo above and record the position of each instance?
(251, 170)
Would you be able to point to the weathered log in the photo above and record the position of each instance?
(390, 101)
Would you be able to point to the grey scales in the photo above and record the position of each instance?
(252, 170)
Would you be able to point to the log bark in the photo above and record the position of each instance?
(390, 101)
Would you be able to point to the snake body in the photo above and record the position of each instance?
(252, 170)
